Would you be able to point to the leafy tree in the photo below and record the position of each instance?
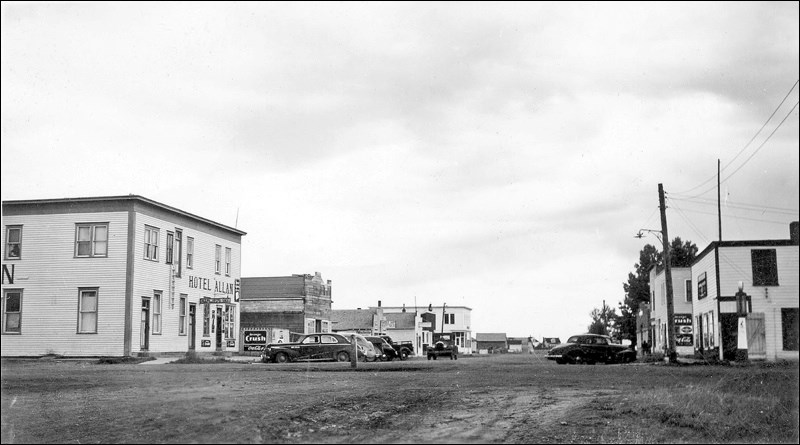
(603, 321)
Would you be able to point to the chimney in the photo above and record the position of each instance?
(379, 303)
(794, 232)
(404, 307)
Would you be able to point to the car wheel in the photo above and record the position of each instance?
(578, 359)
(281, 357)
(455, 357)
(403, 354)
(342, 356)
(561, 361)
(429, 357)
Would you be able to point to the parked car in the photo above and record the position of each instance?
(383, 350)
(444, 346)
(318, 347)
(404, 348)
(590, 349)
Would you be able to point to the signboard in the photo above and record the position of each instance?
(683, 330)
(231, 344)
(205, 343)
(254, 340)
(206, 300)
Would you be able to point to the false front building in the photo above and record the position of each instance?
(116, 276)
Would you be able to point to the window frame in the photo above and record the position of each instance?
(7, 253)
(189, 252)
(687, 288)
(156, 306)
(18, 331)
(179, 244)
(183, 306)
(151, 248)
(765, 267)
(93, 242)
(228, 254)
(169, 247)
(82, 291)
(217, 259)
(792, 336)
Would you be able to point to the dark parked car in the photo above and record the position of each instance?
(444, 347)
(404, 348)
(383, 350)
(317, 347)
(590, 349)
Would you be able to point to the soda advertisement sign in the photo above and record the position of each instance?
(255, 340)
(683, 330)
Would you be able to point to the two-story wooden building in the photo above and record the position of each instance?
(116, 276)
(682, 309)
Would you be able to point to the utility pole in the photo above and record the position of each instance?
(673, 356)
(719, 205)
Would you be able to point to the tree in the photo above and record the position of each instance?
(603, 321)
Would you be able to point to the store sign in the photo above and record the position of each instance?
(683, 330)
(218, 287)
(206, 300)
(254, 340)
(205, 343)
(231, 343)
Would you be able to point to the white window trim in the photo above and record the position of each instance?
(154, 244)
(82, 329)
(218, 259)
(189, 252)
(227, 261)
(183, 307)
(156, 305)
(8, 243)
(5, 313)
(92, 240)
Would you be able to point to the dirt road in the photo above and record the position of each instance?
(499, 399)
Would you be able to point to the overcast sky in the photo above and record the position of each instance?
(499, 156)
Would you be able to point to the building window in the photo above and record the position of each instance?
(91, 240)
(230, 322)
(179, 245)
(169, 247)
(151, 243)
(13, 242)
(765, 267)
(12, 311)
(688, 288)
(206, 320)
(452, 318)
(182, 315)
(790, 328)
(87, 311)
(189, 252)
(157, 312)
(217, 259)
(702, 286)
(228, 261)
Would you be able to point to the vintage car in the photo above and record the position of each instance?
(404, 348)
(318, 347)
(383, 350)
(590, 349)
(444, 347)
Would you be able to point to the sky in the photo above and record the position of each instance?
(499, 156)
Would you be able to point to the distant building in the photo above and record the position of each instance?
(682, 309)
(116, 276)
(517, 344)
(400, 326)
(489, 343)
(549, 342)
(298, 303)
(454, 320)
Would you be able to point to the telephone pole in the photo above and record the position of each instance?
(673, 356)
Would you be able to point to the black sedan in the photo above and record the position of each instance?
(318, 347)
(383, 349)
(590, 349)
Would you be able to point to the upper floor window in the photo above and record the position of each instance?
(169, 247)
(87, 311)
(12, 311)
(452, 318)
(765, 267)
(151, 243)
(179, 248)
(189, 252)
(217, 259)
(13, 242)
(702, 286)
(228, 261)
(91, 240)
(688, 291)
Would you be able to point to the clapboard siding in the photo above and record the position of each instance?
(151, 276)
(50, 276)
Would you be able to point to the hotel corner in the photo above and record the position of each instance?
(116, 276)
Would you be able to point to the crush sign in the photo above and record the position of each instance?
(683, 330)
(255, 340)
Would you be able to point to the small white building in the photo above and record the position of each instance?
(116, 276)
(768, 273)
(445, 319)
(682, 309)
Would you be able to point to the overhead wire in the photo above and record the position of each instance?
(747, 144)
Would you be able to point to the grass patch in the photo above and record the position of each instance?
(194, 358)
(126, 360)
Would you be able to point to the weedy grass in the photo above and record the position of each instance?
(745, 406)
(195, 358)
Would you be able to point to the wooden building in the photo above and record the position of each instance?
(300, 303)
(491, 343)
(116, 276)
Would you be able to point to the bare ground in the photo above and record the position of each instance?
(488, 399)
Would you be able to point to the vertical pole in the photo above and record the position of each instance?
(719, 204)
(354, 354)
(673, 356)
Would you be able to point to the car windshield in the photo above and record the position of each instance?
(574, 339)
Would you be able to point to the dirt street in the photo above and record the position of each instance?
(499, 398)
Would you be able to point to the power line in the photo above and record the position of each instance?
(754, 153)
(738, 217)
(747, 144)
(742, 206)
